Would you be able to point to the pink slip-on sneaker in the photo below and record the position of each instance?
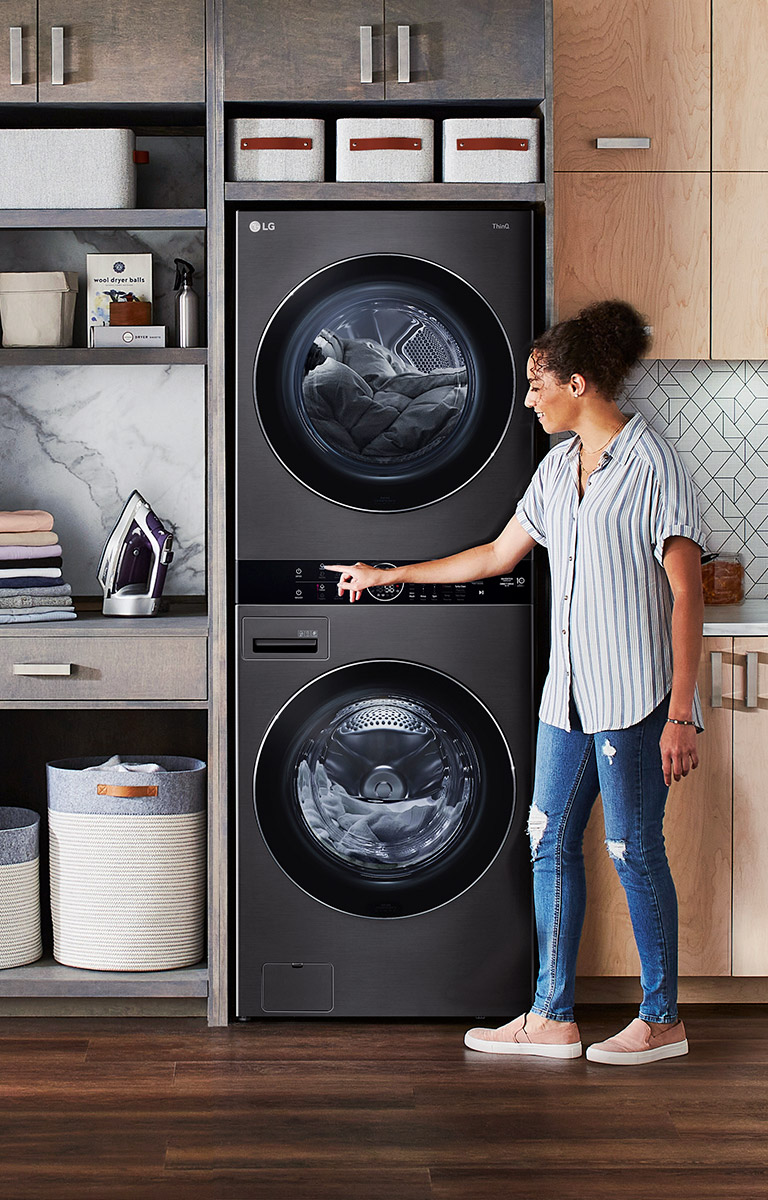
(640, 1043)
(512, 1039)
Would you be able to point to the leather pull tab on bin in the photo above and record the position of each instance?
(276, 143)
(492, 143)
(385, 143)
(110, 789)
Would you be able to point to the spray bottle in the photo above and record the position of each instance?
(186, 304)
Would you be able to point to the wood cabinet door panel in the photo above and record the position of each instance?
(750, 813)
(645, 238)
(15, 15)
(697, 830)
(291, 50)
(740, 265)
(459, 50)
(739, 85)
(124, 51)
(632, 68)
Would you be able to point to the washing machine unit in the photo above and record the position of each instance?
(383, 777)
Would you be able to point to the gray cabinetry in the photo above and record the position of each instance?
(18, 51)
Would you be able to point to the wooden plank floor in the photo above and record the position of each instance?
(166, 1109)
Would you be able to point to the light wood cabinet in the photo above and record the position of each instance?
(739, 86)
(697, 831)
(750, 807)
(740, 265)
(643, 237)
(629, 69)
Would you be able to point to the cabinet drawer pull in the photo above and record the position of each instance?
(16, 73)
(366, 54)
(716, 665)
(57, 54)
(42, 668)
(631, 143)
(751, 697)
(403, 54)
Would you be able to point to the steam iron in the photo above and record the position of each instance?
(134, 562)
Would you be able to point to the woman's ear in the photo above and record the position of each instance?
(578, 384)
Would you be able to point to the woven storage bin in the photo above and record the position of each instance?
(127, 864)
(491, 150)
(67, 168)
(389, 149)
(19, 887)
(267, 148)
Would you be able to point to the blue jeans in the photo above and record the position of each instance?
(625, 766)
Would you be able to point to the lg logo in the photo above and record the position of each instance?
(258, 227)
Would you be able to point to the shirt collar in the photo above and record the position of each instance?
(623, 444)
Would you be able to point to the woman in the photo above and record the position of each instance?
(619, 711)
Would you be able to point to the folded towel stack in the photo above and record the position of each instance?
(31, 583)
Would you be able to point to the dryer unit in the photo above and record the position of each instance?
(380, 377)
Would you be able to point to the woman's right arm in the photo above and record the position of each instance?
(479, 562)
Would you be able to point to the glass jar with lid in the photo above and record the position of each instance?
(722, 577)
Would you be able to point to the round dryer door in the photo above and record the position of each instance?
(384, 789)
(384, 382)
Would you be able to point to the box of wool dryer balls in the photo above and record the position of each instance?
(126, 273)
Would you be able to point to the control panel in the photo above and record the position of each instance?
(310, 582)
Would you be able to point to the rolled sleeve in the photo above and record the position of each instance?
(676, 511)
(530, 510)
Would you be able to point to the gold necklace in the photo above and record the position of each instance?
(582, 469)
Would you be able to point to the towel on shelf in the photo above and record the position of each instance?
(33, 610)
(30, 573)
(25, 520)
(30, 538)
(19, 554)
(44, 588)
(65, 614)
(12, 599)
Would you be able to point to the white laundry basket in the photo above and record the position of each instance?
(19, 887)
(127, 863)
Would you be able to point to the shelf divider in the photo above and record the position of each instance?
(102, 218)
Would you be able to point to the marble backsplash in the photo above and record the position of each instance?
(77, 440)
(716, 414)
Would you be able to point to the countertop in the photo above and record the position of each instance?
(748, 619)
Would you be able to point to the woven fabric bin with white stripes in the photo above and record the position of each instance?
(19, 887)
(127, 862)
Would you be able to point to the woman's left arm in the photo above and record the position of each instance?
(682, 563)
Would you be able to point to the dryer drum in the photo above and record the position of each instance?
(384, 382)
(384, 789)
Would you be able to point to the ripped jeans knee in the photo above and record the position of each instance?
(537, 824)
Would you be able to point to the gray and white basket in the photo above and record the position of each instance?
(389, 149)
(491, 150)
(19, 887)
(127, 863)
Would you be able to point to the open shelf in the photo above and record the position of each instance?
(49, 978)
(73, 356)
(502, 193)
(103, 218)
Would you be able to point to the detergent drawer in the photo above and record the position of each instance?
(68, 667)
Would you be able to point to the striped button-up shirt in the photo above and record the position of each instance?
(611, 599)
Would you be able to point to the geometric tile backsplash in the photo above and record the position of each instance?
(716, 415)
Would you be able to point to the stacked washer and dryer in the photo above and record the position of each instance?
(384, 748)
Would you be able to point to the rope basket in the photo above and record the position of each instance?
(20, 941)
(127, 861)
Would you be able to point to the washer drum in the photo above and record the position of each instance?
(127, 863)
(19, 887)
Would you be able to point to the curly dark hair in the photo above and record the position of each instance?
(602, 343)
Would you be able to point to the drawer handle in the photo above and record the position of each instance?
(366, 54)
(403, 54)
(631, 143)
(716, 665)
(16, 69)
(57, 54)
(42, 668)
(751, 699)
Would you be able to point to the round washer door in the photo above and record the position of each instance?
(384, 382)
(384, 789)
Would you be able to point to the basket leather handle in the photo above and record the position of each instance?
(385, 143)
(111, 789)
(276, 143)
(492, 143)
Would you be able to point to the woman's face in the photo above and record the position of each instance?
(557, 405)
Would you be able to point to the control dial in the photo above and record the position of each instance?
(385, 591)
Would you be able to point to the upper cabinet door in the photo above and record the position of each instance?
(295, 50)
(18, 51)
(634, 70)
(739, 85)
(121, 51)
(465, 49)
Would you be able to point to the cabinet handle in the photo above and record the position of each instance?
(403, 54)
(751, 697)
(57, 54)
(716, 665)
(42, 668)
(366, 54)
(16, 75)
(632, 143)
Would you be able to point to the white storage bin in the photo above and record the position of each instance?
(273, 148)
(37, 308)
(127, 863)
(20, 941)
(386, 149)
(67, 168)
(491, 150)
